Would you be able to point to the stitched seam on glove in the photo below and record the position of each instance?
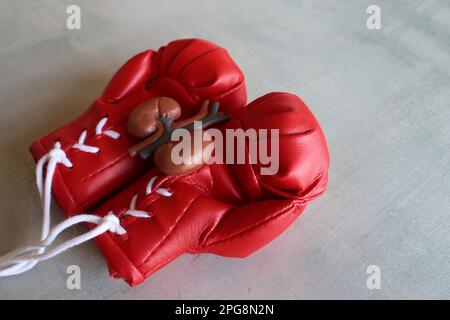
(265, 221)
(251, 166)
(158, 245)
(114, 242)
(110, 164)
(178, 75)
(160, 265)
(272, 114)
(205, 235)
(169, 63)
(221, 95)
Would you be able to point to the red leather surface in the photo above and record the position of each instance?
(189, 71)
(230, 210)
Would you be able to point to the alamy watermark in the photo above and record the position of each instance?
(248, 146)
(373, 21)
(73, 281)
(73, 21)
(373, 282)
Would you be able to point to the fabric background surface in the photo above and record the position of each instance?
(381, 97)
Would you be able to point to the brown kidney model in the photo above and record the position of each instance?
(153, 120)
(190, 161)
(143, 121)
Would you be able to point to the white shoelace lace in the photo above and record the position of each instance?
(23, 259)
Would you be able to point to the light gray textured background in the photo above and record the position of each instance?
(382, 98)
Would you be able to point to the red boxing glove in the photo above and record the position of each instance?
(96, 143)
(226, 209)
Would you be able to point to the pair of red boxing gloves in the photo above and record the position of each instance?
(150, 216)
